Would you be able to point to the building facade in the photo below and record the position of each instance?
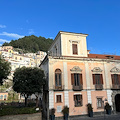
(76, 78)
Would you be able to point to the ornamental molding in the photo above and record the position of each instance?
(96, 69)
(78, 41)
(76, 69)
(115, 69)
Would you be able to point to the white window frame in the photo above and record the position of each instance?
(77, 93)
(78, 47)
(56, 97)
(101, 102)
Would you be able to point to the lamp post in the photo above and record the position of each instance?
(104, 106)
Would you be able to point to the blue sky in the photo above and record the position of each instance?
(98, 18)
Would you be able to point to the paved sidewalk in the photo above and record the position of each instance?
(98, 117)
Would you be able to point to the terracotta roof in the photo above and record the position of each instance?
(114, 57)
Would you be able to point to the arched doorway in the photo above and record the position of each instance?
(117, 102)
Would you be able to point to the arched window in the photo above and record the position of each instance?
(1, 97)
(58, 78)
(5, 96)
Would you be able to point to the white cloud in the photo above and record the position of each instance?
(0, 44)
(3, 40)
(13, 35)
(31, 31)
(2, 26)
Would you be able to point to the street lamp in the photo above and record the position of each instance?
(104, 106)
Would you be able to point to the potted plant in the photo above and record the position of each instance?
(90, 110)
(65, 112)
(108, 108)
(52, 114)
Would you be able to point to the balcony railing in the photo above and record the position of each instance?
(79, 87)
(59, 88)
(115, 87)
(78, 103)
(98, 86)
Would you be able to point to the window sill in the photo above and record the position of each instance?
(74, 54)
(78, 105)
(100, 108)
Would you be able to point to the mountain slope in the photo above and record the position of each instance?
(31, 43)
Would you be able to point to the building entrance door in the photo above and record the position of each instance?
(117, 102)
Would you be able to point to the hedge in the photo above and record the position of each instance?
(9, 110)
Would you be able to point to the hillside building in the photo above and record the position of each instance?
(75, 77)
(18, 60)
(3, 96)
(6, 48)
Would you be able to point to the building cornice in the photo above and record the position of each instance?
(84, 59)
(73, 33)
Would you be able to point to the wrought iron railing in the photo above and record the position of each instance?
(98, 86)
(78, 87)
(60, 87)
(115, 87)
(78, 103)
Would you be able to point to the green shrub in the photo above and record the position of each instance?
(89, 107)
(107, 106)
(9, 110)
(65, 110)
(30, 104)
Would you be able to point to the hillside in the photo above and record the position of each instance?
(31, 43)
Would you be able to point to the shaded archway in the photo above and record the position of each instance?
(117, 102)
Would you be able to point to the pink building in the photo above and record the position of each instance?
(3, 96)
(76, 78)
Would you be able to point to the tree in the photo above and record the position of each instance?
(28, 81)
(31, 43)
(4, 69)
